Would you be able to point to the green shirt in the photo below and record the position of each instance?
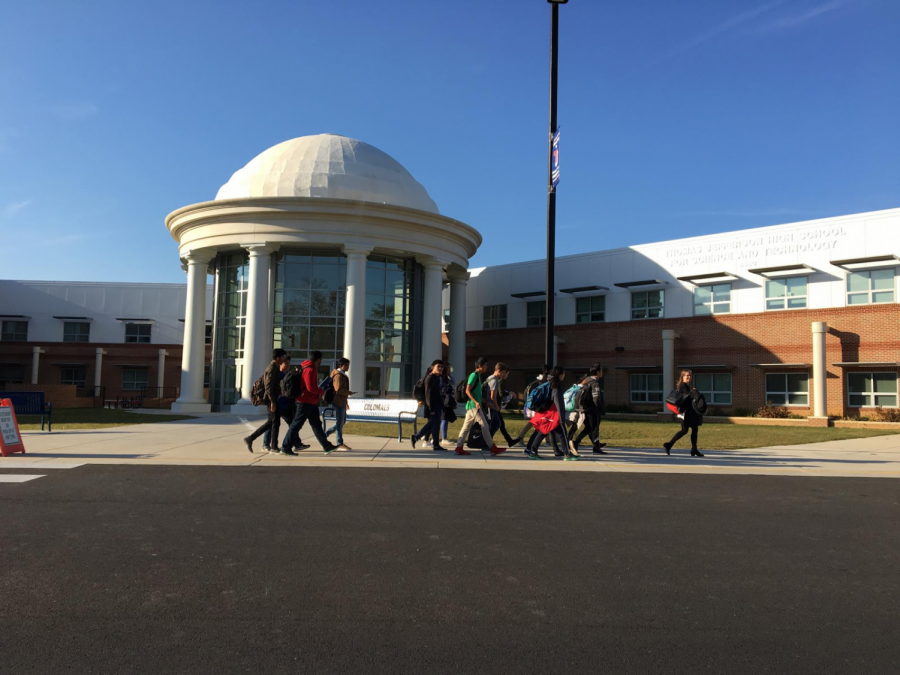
(474, 383)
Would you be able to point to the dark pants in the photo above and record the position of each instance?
(557, 435)
(591, 429)
(305, 412)
(501, 427)
(685, 425)
(534, 433)
(287, 414)
(433, 427)
(270, 426)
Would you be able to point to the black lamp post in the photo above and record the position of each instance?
(551, 189)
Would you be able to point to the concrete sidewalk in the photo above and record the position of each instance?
(216, 440)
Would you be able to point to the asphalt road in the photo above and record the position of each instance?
(116, 569)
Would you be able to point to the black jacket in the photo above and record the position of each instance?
(691, 403)
(592, 399)
(433, 400)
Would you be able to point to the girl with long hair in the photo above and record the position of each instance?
(552, 421)
(692, 417)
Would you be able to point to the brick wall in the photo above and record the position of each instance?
(60, 395)
(865, 333)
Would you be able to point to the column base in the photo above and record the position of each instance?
(247, 409)
(819, 421)
(188, 408)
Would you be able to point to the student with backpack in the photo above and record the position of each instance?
(590, 402)
(692, 409)
(494, 403)
(266, 390)
(433, 401)
(474, 412)
(529, 414)
(338, 391)
(306, 407)
(285, 410)
(548, 404)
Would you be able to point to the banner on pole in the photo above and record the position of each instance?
(554, 164)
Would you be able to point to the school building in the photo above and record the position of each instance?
(324, 242)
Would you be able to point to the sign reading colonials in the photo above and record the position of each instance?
(554, 173)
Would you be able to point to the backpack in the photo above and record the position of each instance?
(569, 397)
(419, 390)
(461, 391)
(327, 384)
(584, 399)
(540, 398)
(258, 392)
(292, 384)
(448, 397)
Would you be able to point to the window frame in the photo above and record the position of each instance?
(785, 298)
(494, 316)
(592, 311)
(208, 335)
(646, 310)
(79, 382)
(6, 332)
(871, 292)
(710, 394)
(126, 386)
(77, 334)
(646, 390)
(786, 392)
(712, 303)
(138, 338)
(535, 321)
(8, 377)
(872, 393)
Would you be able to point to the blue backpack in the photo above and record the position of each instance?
(539, 398)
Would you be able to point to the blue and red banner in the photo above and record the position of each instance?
(554, 163)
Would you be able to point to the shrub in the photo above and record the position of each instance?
(769, 411)
(887, 414)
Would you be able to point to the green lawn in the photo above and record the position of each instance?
(630, 434)
(94, 418)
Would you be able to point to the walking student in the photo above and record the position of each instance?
(591, 404)
(693, 408)
(341, 385)
(272, 388)
(434, 407)
(529, 414)
(306, 407)
(285, 411)
(494, 403)
(474, 411)
(552, 421)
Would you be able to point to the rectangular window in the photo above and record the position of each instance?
(537, 313)
(789, 293)
(446, 320)
(208, 335)
(872, 389)
(715, 299)
(76, 331)
(11, 373)
(647, 388)
(206, 377)
(715, 387)
(494, 316)
(647, 305)
(866, 288)
(591, 309)
(76, 376)
(137, 332)
(787, 389)
(135, 379)
(14, 331)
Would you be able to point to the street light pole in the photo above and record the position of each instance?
(551, 190)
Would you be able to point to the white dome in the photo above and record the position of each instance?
(328, 166)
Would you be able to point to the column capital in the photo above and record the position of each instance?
(256, 250)
(455, 276)
(100, 351)
(670, 335)
(163, 352)
(819, 327)
(202, 256)
(38, 350)
(429, 261)
(355, 250)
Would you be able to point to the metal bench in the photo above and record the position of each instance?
(382, 411)
(30, 403)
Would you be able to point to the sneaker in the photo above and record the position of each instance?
(289, 453)
(532, 455)
(497, 451)
(571, 458)
(667, 447)
(428, 445)
(460, 450)
(412, 441)
(598, 451)
(328, 450)
(601, 445)
(440, 448)
(273, 451)
(303, 446)
(266, 448)
(343, 446)
(248, 443)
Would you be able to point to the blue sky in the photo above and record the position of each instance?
(678, 118)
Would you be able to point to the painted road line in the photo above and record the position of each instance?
(18, 478)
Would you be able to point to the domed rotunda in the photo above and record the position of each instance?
(319, 243)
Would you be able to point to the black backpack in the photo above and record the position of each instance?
(460, 393)
(292, 384)
(584, 399)
(419, 390)
(258, 392)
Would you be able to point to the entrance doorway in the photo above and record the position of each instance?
(384, 380)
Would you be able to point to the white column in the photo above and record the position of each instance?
(256, 357)
(432, 312)
(820, 372)
(35, 363)
(98, 369)
(193, 355)
(355, 317)
(458, 321)
(668, 338)
(161, 371)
